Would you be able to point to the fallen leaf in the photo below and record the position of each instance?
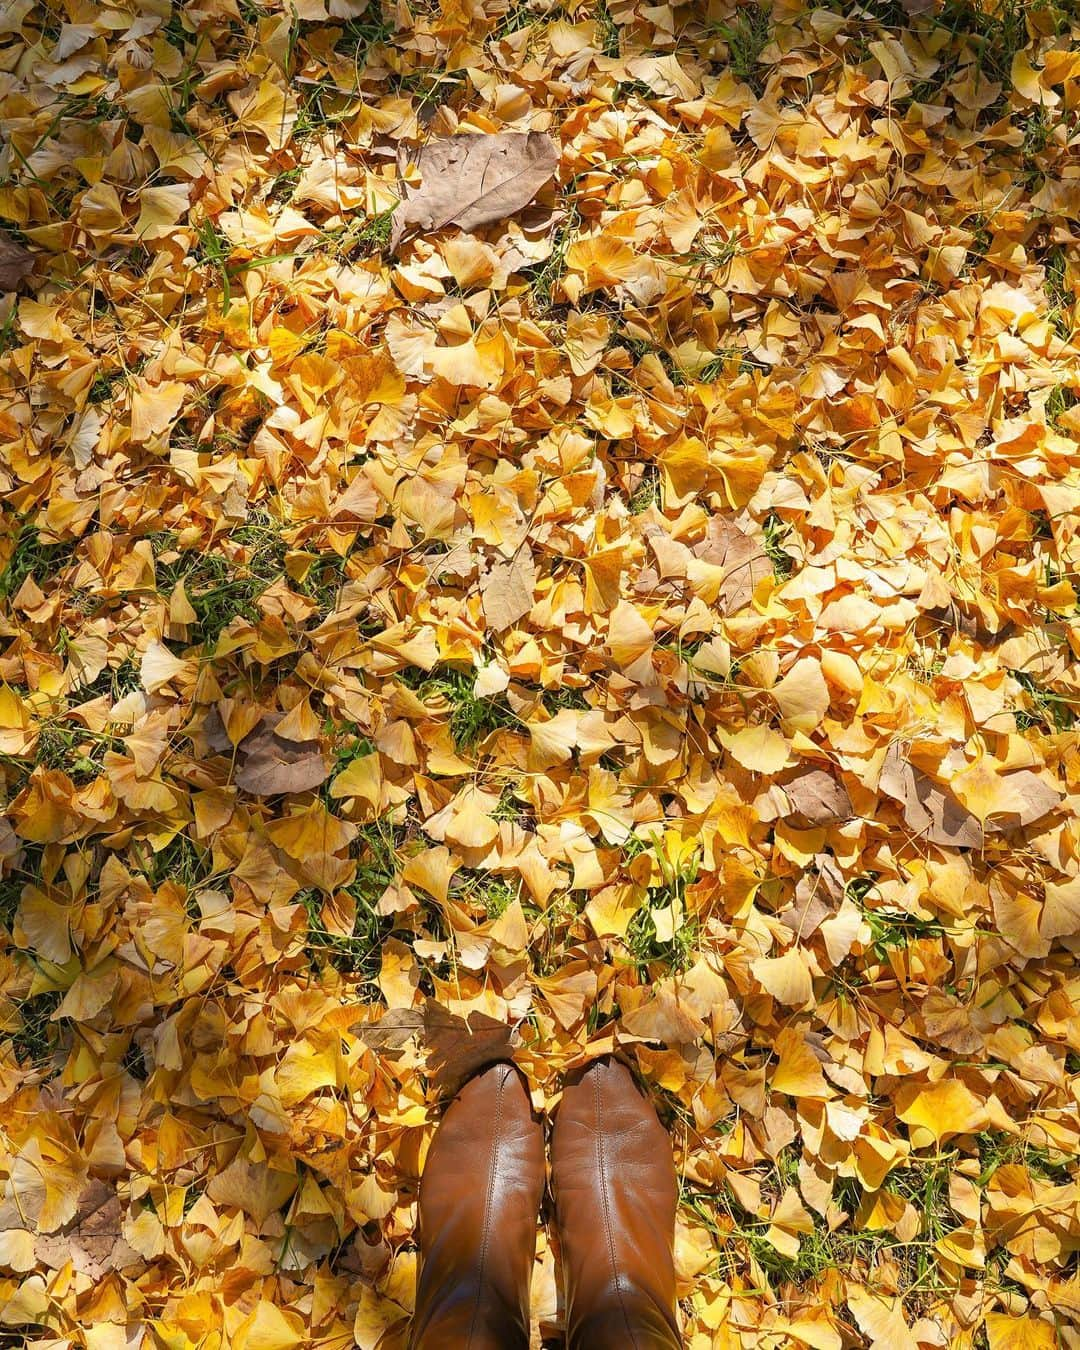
(16, 263)
(268, 764)
(1019, 1333)
(508, 589)
(470, 181)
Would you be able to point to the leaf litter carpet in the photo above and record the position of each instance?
(608, 581)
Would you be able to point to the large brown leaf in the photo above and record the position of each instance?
(471, 181)
(267, 764)
(930, 810)
(16, 263)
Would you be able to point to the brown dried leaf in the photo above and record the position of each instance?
(737, 548)
(930, 810)
(508, 590)
(268, 764)
(471, 181)
(92, 1241)
(818, 797)
(459, 1046)
(16, 263)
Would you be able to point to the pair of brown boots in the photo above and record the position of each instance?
(615, 1190)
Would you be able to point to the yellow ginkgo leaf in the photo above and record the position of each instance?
(940, 1109)
(154, 407)
(160, 208)
(802, 695)
(759, 749)
(629, 634)
(1019, 1333)
(786, 977)
(799, 1071)
(432, 870)
(269, 1328)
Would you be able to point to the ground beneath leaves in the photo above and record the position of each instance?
(644, 617)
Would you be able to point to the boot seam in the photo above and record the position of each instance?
(493, 1171)
(609, 1232)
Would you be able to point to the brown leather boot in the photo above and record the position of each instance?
(479, 1199)
(615, 1188)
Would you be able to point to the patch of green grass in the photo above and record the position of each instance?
(471, 718)
(567, 696)
(520, 14)
(322, 104)
(105, 382)
(494, 895)
(646, 950)
(607, 30)
(34, 1042)
(1058, 292)
(1059, 401)
(1044, 708)
(746, 37)
(993, 32)
(24, 869)
(775, 532)
(513, 808)
(218, 596)
(647, 492)
(35, 560)
(358, 952)
(9, 330)
(74, 750)
(134, 1063)
(378, 862)
(221, 590)
(175, 34)
(626, 90)
(820, 1251)
(365, 236)
(1038, 130)
(114, 682)
(214, 250)
(360, 37)
(894, 928)
(545, 276)
(350, 745)
(999, 1150)
(181, 861)
(429, 87)
(718, 368)
(639, 349)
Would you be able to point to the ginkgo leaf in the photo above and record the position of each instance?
(760, 749)
(941, 1109)
(786, 977)
(798, 1071)
(160, 208)
(432, 869)
(270, 1328)
(629, 634)
(802, 696)
(1019, 1333)
(154, 407)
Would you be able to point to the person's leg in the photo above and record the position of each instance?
(616, 1192)
(479, 1199)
